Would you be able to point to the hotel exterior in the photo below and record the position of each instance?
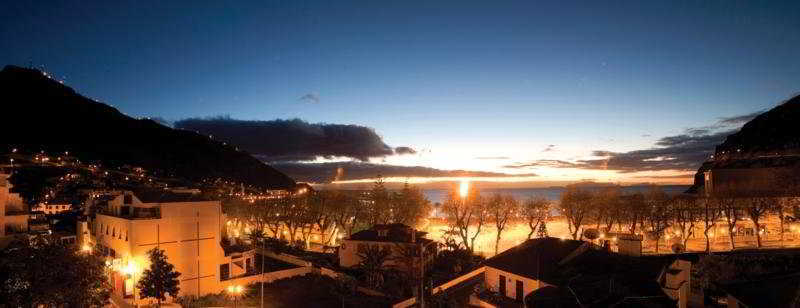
(183, 224)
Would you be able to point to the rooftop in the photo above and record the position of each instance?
(389, 233)
(167, 196)
(535, 258)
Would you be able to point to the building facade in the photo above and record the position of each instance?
(184, 225)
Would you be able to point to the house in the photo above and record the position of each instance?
(186, 226)
(403, 242)
(53, 207)
(552, 272)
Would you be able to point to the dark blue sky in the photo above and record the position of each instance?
(510, 76)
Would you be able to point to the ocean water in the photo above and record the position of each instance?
(550, 193)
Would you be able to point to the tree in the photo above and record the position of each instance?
(160, 278)
(501, 208)
(685, 212)
(409, 205)
(372, 259)
(462, 213)
(535, 211)
(575, 205)
(379, 204)
(634, 210)
(323, 211)
(658, 215)
(710, 213)
(542, 232)
(756, 208)
(28, 276)
(729, 206)
(348, 212)
(605, 207)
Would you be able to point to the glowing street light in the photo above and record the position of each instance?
(235, 292)
(86, 248)
(131, 268)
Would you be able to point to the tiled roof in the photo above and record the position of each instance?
(395, 233)
(585, 274)
(535, 259)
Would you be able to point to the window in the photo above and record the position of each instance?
(128, 199)
(224, 271)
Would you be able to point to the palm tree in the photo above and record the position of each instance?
(372, 259)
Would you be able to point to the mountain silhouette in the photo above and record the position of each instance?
(40, 113)
(772, 139)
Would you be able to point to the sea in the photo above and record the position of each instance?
(551, 193)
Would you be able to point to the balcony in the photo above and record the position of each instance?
(129, 212)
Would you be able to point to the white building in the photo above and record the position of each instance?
(185, 225)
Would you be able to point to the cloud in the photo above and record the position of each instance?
(492, 157)
(740, 119)
(309, 98)
(292, 140)
(549, 148)
(674, 176)
(404, 151)
(683, 152)
(552, 163)
(343, 171)
(680, 152)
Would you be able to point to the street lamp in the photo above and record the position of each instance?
(235, 292)
(131, 270)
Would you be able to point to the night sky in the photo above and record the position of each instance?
(501, 86)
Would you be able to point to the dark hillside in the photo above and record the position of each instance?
(41, 113)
